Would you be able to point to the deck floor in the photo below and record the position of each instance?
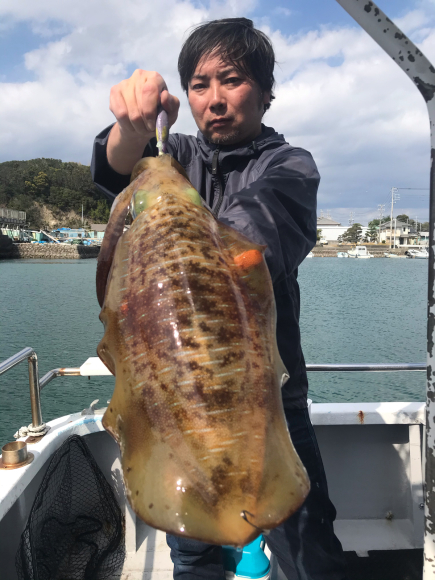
(386, 565)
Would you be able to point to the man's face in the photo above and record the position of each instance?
(227, 105)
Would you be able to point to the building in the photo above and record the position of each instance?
(12, 217)
(97, 231)
(402, 234)
(13, 224)
(332, 229)
(70, 233)
(423, 238)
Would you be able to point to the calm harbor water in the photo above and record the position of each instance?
(353, 311)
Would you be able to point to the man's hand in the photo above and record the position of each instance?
(135, 103)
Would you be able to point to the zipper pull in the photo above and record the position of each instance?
(215, 162)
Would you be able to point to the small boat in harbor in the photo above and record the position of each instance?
(359, 252)
(310, 255)
(391, 255)
(342, 255)
(421, 254)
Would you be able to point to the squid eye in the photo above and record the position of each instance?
(140, 201)
(193, 195)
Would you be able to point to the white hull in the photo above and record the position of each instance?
(394, 256)
(360, 252)
(418, 254)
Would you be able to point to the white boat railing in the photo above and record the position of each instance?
(367, 367)
(94, 367)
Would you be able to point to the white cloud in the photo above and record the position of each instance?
(59, 113)
(363, 120)
(281, 11)
(338, 94)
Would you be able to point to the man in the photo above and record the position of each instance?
(255, 182)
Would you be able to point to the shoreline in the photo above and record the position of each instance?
(48, 252)
(57, 251)
(376, 250)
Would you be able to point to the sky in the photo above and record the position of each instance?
(337, 93)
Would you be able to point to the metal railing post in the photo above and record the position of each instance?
(35, 399)
(421, 72)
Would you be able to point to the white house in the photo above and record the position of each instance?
(332, 229)
(402, 234)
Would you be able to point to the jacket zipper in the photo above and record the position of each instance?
(220, 183)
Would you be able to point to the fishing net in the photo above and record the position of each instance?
(75, 530)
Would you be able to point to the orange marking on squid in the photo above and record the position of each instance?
(248, 259)
(124, 309)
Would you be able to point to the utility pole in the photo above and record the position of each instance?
(381, 209)
(395, 196)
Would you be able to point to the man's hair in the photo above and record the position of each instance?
(236, 41)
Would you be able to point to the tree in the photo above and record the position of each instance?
(33, 212)
(353, 235)
(424, 226)
(372, 233)
(101, 214)
(403, 218)
(61, 187)
(319, 234)
(376, 222)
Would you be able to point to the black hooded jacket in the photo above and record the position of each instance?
(266, 190)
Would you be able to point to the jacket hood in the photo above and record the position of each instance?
(268, 139)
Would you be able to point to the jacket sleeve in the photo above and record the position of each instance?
(105, 178)
(278, 209)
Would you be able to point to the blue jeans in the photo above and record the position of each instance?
(305, 544)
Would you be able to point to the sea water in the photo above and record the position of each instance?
(352, 311)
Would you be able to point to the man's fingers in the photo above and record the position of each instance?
(171, 104)
(148, 99)
(118, 105)
(134, 106)
(135, 102)
(124, 106)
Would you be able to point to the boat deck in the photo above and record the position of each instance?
(386, 565)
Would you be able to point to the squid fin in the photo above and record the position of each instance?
(113, 232)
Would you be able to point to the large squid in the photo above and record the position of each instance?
(189, 316)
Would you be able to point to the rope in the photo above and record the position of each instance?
(31, 430)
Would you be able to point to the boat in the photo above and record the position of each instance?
(391, 255)
(310, 255)
(422, 254)
(372, 451)
(342, 255)
(359, 252)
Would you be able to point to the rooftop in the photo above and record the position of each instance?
(326, 221)
(99, 227)
(398, 224)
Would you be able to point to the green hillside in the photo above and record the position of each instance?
(52, 192)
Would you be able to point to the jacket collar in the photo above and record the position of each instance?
(268, 138)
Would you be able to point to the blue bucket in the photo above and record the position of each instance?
(251, 562)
